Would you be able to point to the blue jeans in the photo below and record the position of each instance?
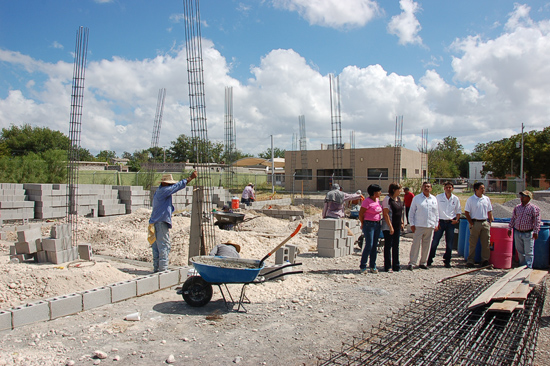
(371, 233)
(447, 228)
(161, 247)
(524, 245)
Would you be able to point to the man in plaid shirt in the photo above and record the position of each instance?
(526, 224)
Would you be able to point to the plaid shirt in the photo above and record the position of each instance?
(525, 218)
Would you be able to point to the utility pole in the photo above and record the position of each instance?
(521, 163)
(272, 168)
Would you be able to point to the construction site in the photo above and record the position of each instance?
(78, 288)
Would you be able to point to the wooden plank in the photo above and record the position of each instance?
(520, 306)
(512, 285)
(536, 276)
(488, 294)
(521, 292)
(506, 306)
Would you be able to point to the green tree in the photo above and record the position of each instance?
(106, 155)
(503, 157)
(444, 160)
(20, 141)
(185, 148)
(277, 152)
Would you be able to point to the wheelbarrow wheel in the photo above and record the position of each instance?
(196, 291)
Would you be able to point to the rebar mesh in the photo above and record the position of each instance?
(438, 329)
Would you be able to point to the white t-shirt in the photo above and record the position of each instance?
(478, 207)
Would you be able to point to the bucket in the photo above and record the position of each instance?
(541, 253)
(501, 246)
(235, 203)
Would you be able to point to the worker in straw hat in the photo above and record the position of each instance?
(227, 249)
(248, 195)
(161, 218)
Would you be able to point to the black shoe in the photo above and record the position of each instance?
(429, 263)
(410, 267)
(422, 266)
(470, 265)
(484, 264)
(447, 265)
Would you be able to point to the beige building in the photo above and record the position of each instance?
(360, 168)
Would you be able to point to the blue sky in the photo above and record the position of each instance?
(471, 69)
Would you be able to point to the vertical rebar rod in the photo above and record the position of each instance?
(75, 128)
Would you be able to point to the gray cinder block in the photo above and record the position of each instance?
(281, 255)
(26, 247)
(123, 290)
(30, 313)
(42, 256)
(292, 252)
(327, 243)
(329, 233)
(147, 284)
(65, 305)
(331, 253)
(168, 278)
(5, 320)
(28, 235)
(53, 245)
(57, 257)
(85, 251)
(96, 297)
(333, 224)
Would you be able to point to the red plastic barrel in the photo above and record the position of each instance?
(235, 203)
(502, 246)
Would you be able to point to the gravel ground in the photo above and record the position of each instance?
(292, 322)
(504, 211)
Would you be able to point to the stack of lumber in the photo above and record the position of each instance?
(509, 292)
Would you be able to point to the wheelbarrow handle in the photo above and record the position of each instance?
(280, 245)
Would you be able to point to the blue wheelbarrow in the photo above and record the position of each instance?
(220, 271)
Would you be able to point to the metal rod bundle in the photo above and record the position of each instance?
(438, 329)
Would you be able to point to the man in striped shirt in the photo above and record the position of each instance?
(526, 224)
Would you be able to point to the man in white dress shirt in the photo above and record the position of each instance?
(424, 219)
(479, 212)
(449, 216)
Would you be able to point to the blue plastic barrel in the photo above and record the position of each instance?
(541, 255)
(462, 229)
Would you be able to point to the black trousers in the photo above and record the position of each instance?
(391, 249)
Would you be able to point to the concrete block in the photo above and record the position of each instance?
(147, 284)
(330, 253)
(65, 305)
(5, 320)
(57, 257)
(29, 235)
(54, 245)
(123, 290)
(30, 313)
(168, 278)
(96, 297)
(13, 250)
(281, 255)
(26, 247)
(327, 243)
(292, 252)
(329, 233)
(330, 224)
(41, 256)
(85, 251)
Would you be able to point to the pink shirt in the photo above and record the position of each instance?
(373, 209)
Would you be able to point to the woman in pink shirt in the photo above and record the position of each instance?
(369, 216)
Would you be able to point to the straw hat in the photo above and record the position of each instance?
(231, 242)
(167, 178)
(527, 194)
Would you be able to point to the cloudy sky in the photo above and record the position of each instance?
(471, 69)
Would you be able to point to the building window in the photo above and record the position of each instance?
(377, 173)
(303, 174)
(403, 173)
(417, 171)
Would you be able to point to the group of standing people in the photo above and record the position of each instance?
(430, 217)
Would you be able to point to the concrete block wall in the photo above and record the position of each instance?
(282, 214)
(50, 200)
(317, 202)
(14, 205)
(336, 238)
(65, 305)
(133, 197)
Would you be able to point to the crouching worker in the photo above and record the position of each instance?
(227, 249)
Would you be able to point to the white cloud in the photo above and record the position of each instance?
(333, 13)
(500, 83)
(57, 45)
(405, 25)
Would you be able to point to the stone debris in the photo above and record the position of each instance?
(171, 359)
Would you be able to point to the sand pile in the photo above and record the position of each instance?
(504, 211)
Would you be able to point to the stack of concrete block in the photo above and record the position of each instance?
(335, 238)
(13, 203)
(58, 247)
(282, 214)
(317, 202)
(221, 197)
(260, 204)
(133, 197)
(29, 242)
(50, 200)
(108, 203)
